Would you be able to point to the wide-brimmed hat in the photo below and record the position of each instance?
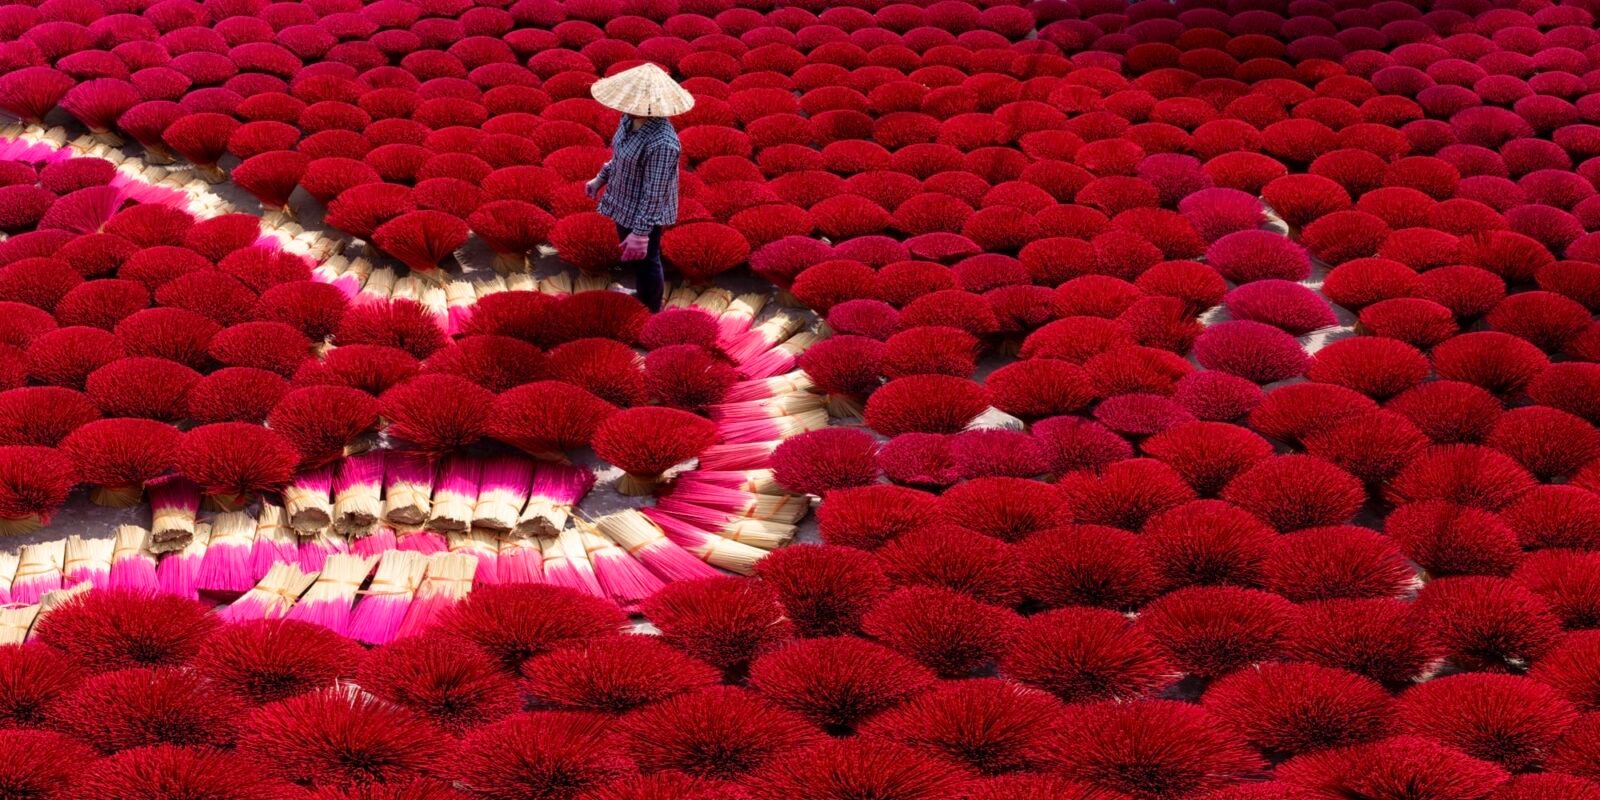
(643, 91)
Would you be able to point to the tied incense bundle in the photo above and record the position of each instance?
(328, 601)
(644, 540)
(626, 581)
(481, 546)
(556, 490)
(358, 494)
(408, 489)
(133, 563)
(503, 488)
(382, 609)
(455, 494)
(275, 543)
(38, 571)
(178, 572)
(706, 546)
(520, 561)
(448, 579)
(8, 571)
(419, 540)
(561, 570)
(226, 567)
(87, 561)
(308, 500)
(174, 502)
(16, 621)
(273, 596)
(316, 548)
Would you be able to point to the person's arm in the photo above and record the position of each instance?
(600, 179)
(660, 165)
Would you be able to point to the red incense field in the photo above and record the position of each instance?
(1053, 400)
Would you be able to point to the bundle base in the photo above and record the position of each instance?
(226, 502)
(631, 485)
(844, 407)
(20, 525)
(116, 496)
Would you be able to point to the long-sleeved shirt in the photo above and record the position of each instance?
(641, 179)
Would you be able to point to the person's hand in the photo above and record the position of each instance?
(635, 246)
(592, 188)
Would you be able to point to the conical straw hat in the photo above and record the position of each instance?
(643, 91)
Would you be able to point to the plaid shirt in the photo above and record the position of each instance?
(641, 179)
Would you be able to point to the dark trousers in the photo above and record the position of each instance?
(648, 278)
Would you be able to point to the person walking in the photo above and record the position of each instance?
(641, 179)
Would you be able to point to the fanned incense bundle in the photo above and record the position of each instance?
(275, 543)
(178, 572)
(706, 546)
(16, 621)
(38, 571)
(503, 489)
(328, 601)
(481, 545)
(308, 499)
(87, 561)
(556, 490)
(227, 566)
(8, 571)
(174, 502)
(447, 580)
(358, 494)
(455, 494)
(273, 596)
(520, 561)
(408, 488)
(624, 580)
(418, 539)
(382, 608)
(133, 564)
(315, 549)
(644, 540)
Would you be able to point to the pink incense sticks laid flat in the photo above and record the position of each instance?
(328, 602)
(382, 608)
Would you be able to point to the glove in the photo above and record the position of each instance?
(592, 188)
(635, 246)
